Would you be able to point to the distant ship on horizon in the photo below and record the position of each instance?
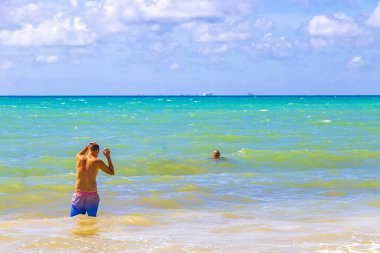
(207, 94)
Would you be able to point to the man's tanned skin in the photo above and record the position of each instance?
(215, 154)
(86, 198)
(88, 166)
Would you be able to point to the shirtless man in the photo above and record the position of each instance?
(86, 198)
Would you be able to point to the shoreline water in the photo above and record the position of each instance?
(210, 232)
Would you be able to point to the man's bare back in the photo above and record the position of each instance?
(87, 170)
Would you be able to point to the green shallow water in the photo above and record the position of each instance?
(287, 142)
(287, 158)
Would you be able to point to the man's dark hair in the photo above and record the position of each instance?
(93, 147)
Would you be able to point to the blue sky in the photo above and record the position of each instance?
(162, 47)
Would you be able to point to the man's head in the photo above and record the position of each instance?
(216, 154)
(93, 149)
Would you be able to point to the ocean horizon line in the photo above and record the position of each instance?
(188, 95)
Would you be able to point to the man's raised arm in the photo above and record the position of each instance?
(107, 169)
(84, 151)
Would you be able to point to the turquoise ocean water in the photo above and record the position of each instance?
(299, 174)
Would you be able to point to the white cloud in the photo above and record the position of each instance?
(221, 49)
(74, 3)
(228, 31)
(206, 35)
(121, 15)
(356, 62)
(337, 25)
(47, 59)
(55, 31)
(277, 47)
(338, 29)
(5, 65)
(164, 47)
(374, 18)
(27, 10)
(16, 13)
(214, 50)
(318, 42)
(263, 24)
(174, 66)
(117, 15)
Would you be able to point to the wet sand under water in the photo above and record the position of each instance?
(184, 231)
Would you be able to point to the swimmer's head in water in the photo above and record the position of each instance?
(216, 154)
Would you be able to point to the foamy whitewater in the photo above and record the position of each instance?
(299, 174)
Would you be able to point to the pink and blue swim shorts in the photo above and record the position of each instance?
(83, 202)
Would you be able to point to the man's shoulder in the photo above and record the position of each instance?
(96, 163)
(96, 160)
(81, 157)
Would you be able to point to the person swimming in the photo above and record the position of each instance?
(215, 154)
